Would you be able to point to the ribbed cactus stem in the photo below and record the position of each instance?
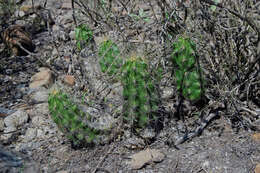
(188, 76)
(68, 118)
(139, 92)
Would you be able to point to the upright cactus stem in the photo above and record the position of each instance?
(188, 76)
(139, 93)
(69, 118)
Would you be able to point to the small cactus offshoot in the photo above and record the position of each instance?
(188, 76)
(83, 35)
(139, 93)
(69, 118)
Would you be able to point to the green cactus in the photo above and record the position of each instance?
(139, 93)
(188, 76)
(83, 35)
(69, 117)
(110, 63)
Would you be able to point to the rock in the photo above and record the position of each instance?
(16, 119)
(72, 35)
(42, 109)
(40, 95)
(38, 120)
(145, 157)
(12, 162)
(67, 6)
(61, 35)
(167, 93)
(256, 137)
(29, 8)
(55, 52)
(257, 168)
(2, 124)
(148, 133)
(31, 133)
(20, 13)
(55, 28)
(8, 133)
(134, 143)
(69, 80)
(43, 78)
(62, 172)
(62, 153)
(100, 39)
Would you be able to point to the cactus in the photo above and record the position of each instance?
(139, 93)
(188, 76)
(69, 117)
(83, 35)
(110, 63)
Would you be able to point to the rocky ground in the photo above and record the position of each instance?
(31, 142)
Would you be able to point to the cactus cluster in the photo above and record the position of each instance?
(188, 77)
(139, 92)
(141, 97)
(110, 63)
(69, 118)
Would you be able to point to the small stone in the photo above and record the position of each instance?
(25, 8)
(29, 8)
(62, 172)
(33, 16)
(62, 153)
(72, 35)
(2, 124)
(101, 39)
(55, 52)
(43, 78)
(167, 93)
(257, 168)
(145, 157)
(69, 80)
(16, 119)
(31, 133)
(40, 95)
(38, 120)
(40, 133)
(21, 14)
(55, 27)
(256, 137)
(148, 133)
(67, 6)
(8, 133)
(67, 58)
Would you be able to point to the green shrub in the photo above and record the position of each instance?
(69, 118)
(188, 76)
(139, 93)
